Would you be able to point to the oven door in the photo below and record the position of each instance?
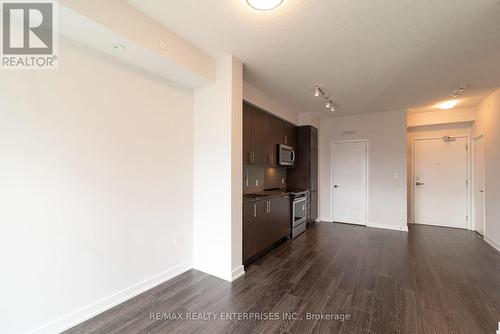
(299, 215)
(286, 155)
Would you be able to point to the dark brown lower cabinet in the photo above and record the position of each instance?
(314, 206)
(264, 223)
(249, 230)
(281, 217)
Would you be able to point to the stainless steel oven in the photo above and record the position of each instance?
(299, 213)
(286, 155)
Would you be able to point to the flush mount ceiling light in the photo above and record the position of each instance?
(264, 4)
(447, 104)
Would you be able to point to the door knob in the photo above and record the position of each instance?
(336, 186)
(481, 191)
(420, 183)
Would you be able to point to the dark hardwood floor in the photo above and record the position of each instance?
(430, 280)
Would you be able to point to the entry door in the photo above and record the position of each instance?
(440, 182)
(349, 174)
(479, 198)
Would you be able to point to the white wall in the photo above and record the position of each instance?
(218, 173)
(309, 119)
(434, 131)
(95, 186)
(452, 116)
(386, 133)
(488, 124)
(257, 97)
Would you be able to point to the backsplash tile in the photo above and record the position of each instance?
(274, 177)
(261, 178)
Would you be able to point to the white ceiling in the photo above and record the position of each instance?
(371, 55)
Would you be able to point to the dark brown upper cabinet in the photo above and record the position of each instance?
(252, 135)
(305, 173)
(262, 133)
(270, 132)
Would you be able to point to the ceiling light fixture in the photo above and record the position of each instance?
(330, 102)
(316, 91)
(264, 4)
(447, 104)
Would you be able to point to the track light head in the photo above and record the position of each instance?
(316, 91)
(329, 104)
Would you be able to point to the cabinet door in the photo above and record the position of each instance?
(314, 161)
(256, 119)
(314, 206)
(283, 219)
(249, 230)
(247, 134)
(262, 240)
(269, 140)
(308, 207)
(290, 135)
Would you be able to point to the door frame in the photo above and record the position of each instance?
(468, 172)
(367, 185)
(473, 183)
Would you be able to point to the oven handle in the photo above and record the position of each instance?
(293, 156)
(299, 200)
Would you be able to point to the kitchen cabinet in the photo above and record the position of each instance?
(262, 133)
(305, 173)
(270, 133)
(265, 222)
(280, 213)
(252, 135)
(290, 135)
(249, 230)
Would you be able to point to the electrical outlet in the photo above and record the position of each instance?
(282, 180)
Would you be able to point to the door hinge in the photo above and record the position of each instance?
(467, 218)
(467, 183)
(467, 147)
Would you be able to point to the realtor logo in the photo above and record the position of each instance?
(28, 37)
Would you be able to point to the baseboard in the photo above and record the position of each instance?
(75, 318)
(237, 273)
(492, 243)
(389, 227)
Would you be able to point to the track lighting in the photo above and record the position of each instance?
(316, 91)
(330, 104)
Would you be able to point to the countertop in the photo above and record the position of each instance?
(264, 195)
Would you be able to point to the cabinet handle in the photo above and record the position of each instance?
(269, 206)
(255, 210)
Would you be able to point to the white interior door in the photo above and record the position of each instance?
(479, 185)
(349, 175)
(440, 182)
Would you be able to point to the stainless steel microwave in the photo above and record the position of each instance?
(286, 155)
